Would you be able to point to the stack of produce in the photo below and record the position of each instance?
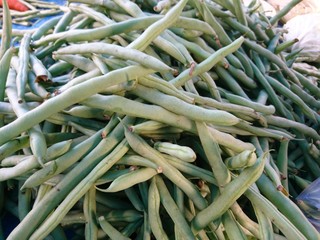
(156, 119)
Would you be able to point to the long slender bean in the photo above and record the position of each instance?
(69, 97)
(287, 207)
(22, 73)
(273, 96)
(62, 163)
(305, 96)
(153, 211)
(37, 140)
(24, 202)
(134, 198)
(6, 30)
(230, 81)
(229, 195)
(233, 230)
(207, 64)
(244, 220)
(191, 111)
(295, 98)
(284, 11)
(272, 58)
(118, 51)
(155, 29)
(140, 146)
(136, 176)
(77, 61)
(4, 70)
(265, 225)
(110, 230)
(173, 210)
(288, 229)
(44, 28)
(89, 209)
(242, 77)
(212, 151)
(268, 110)
(164, 86)
(214, 23)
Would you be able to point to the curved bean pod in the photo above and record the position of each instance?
(23, 66)
(212, 151)
(6, 29)
(173, 210)
(76, 94)
(231, 192)
(117, 51)
(180, 107)
(153, 211)
(104, 165)
(136, 176)
(287, 208)
(208, 63)
(155, 29)
(140, 146)
(232, 227)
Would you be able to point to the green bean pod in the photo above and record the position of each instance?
(35, 87)
(208, 63)
(265, 225)
(284, 11)
(44, 28)
(164, 86)
(182, 152)
(41, 72)
(66, 99)
(90, 212)
(213, 154)
(78, 61)
(245, 221)
(7, 29)
(268, 110)
(4, 70)
(22, 73)
(134, 198)
(140, 146)
(153, 211)
(173, 210)
(245, 159)
(117, 51)
(155, 29)
(129, 215)
(287, 207)
(232, 227)
(110, 230)
(135, 176)
(77, 192)
(180, 107)
(231, 192)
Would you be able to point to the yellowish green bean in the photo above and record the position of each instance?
(207, 64)
(229, 195)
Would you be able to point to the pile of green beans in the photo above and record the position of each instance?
(155, 120)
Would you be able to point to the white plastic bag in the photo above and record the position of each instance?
(306, 28)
